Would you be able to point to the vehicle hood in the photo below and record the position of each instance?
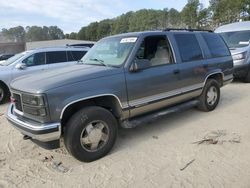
(238, 50)
(41, 82)
(4, 68)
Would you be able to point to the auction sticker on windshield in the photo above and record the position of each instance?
(129, 40)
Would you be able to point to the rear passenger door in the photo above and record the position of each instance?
(191, 62)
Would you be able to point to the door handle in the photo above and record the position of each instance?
(176, 71)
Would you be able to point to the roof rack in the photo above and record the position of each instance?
(185, 29)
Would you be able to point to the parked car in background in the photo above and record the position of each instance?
(37, 60)
(5, 56)
(237, 37)
(123, 80)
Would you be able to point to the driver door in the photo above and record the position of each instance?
(151, 88)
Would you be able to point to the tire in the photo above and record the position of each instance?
(207, 103)
(4, 94)
(86, 126)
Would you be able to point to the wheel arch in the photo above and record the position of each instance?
(4, 84)
(107, 101)
(218, 76)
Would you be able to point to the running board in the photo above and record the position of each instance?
(156, 115)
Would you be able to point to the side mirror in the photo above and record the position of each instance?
(140, 64)
(21, 66)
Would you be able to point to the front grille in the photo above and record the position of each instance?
(18, 102)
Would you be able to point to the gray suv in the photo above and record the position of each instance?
(36, 61)
(123, 80)
(237, 37)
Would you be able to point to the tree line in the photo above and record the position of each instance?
(33, 33)
(193, 15)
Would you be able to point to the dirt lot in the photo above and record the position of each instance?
(162, 154)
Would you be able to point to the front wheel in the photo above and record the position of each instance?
(4, 93)
(90, 133)
(210, 96)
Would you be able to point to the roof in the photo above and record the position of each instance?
(66, 48)
(237, 26)
(54, 43)
(137, 34)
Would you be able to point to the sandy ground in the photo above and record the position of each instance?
(155, 155)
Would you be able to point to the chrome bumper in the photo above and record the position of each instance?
(36, 131)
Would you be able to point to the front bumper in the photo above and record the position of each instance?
(241, 71)
(36, 131)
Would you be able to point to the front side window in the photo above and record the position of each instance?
(189, 47)
(157, 50)
(236, 39)
(216, 45)
(35, 59)
(56, 57)
(110, 51)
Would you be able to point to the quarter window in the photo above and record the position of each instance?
(189, 47)
(75, 55)
(56, 57)
(35, 59)
(216, 45)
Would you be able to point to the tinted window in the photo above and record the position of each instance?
(35, 59)
(216, 45)
(56, 57)
(75, 55)
(189, 47)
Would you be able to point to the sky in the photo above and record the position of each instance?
(71, 15)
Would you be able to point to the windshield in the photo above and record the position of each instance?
(13, 59)
(236, 39)
(110, 51)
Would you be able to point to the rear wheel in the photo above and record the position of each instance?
(210, 96)
(90, 133)
(4, 93)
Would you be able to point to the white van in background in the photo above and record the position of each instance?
(237, 37)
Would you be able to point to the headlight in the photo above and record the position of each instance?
(33, 100)
(239, 56)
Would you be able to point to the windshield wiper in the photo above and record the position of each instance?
(99, 61)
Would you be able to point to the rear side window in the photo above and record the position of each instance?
(56, 57)
(75, 55)
(216, 45)
(189, 47)
(35, 59)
